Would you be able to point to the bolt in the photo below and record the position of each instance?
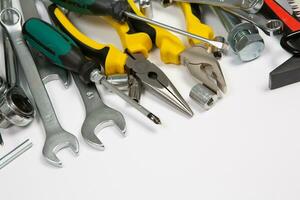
(243, 37)
(165, 3)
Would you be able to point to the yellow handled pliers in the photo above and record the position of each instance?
(201, 64)
(133, 61)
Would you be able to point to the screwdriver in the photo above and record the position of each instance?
(63, 51)
(121, 10)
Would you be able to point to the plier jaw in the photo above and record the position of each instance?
(154, 79)
(206, 69)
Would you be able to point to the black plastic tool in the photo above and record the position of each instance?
(287, 73)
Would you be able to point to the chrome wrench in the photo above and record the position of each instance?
(270, 27)
(251, 6)
(56, 137)
(98, 115)
(15, 107)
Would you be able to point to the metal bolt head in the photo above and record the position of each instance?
(146, 8)
(246, 42)
(166, 3)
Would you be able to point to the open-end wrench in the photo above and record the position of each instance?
(270, 27)
(56, 137)
(98, 115)
(37, 8)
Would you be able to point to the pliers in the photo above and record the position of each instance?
(133, 61)
(201, 64)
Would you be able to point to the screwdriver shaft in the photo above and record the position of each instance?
(133, 103)
(97, 77)
(217, 44)
(15, 153)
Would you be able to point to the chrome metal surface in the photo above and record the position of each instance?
(56, 137)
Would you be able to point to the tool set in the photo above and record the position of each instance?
(40, 43)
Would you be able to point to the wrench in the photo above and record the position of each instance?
(56, 137)
(16, 109)
(48, 73)
(270, 27)
(251, 6)
(98, 115)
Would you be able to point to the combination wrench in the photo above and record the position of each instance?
(270, 27)
(56, 137)
(98, 115)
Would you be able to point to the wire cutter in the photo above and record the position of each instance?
(133, 61)
(200, 62)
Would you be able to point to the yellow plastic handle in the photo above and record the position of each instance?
(170, 46)
(109, 56)
(131, 41)
(194, 25)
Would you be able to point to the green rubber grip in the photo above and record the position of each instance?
(59, 48)
(112, 8)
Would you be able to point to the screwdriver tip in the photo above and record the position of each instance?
(154, 118)
(1, 141)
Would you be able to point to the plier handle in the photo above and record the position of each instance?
(132, 61)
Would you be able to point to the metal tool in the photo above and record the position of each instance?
(270, 27)
(201, 61)
(243, 37)
(120, 10)
(1, 140)
(252, 6)
(97, 77)
(73, 60)
(135, 88)
(146, 7)
(121, 81)
(98, 115)
(56, 137)
(2, 55)
(152, 78)
(37, 9)
(132, 62)
(15, 153)
(15, 109)
(206, 69)
(287, 11)
(216, 44)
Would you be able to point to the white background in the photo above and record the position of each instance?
(245, 148)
